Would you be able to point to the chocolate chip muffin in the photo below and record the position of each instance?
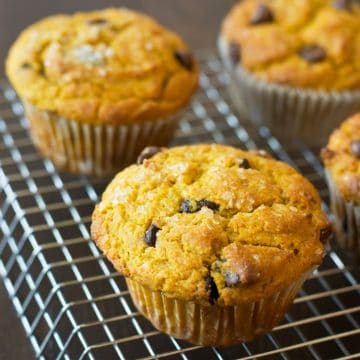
(342, 164)
(98, 86)
(214, 242)
(294, 67)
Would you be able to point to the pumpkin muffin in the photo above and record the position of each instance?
(295, 67)
(214, 242)
(98, 86)
(342, 164)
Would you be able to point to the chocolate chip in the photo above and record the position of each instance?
(234, 53)
(327, 154)
(212, 289)
(98, 21)
(312, 53)
(296, 251)
(185, 58)
(150, 235)
(187, 206)
(245, 164)
(209, 204)
(325, 234)
(25, 65)
(231, 279)
(148, 153)
(262, 14)
(342, 4)
(355, 148)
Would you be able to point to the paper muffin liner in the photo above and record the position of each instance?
(287, 111)
(346, 217)
(94, 149)
(213, 325)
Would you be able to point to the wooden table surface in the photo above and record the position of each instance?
(197, 21)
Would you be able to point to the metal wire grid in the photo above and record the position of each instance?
(74, 306)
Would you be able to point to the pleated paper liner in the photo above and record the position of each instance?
(94, 149)
(289, 112)
(346, 217)
(214, 325)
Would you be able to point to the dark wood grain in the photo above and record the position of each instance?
(197, 21)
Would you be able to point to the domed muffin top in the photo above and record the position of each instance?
(342, 158)
(110, 66)
(303, 43)
(211, 223)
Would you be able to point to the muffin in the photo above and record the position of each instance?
(99, 86)
(214, 242)
(294, 69)
(342, 168)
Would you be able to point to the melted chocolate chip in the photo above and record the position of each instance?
(355, 148)
(26, 65)
(98, 21)
(342, 4)
(150, 235)
(325, 234)
(148, 153)
(245, 164)
(262, 14)
(312, 53)
(185, 58)
(209, 204)
(212, 289)
(234, 53)
(231, 279)
(187, 207)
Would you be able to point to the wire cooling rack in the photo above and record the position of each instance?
(72, 303)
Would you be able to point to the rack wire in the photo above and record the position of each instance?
(71, 302)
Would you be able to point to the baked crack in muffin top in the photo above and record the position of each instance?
(211, 223)
(302, 43)
(110, 66)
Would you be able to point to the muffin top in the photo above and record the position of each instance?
(342, 158)
(109, 66)
(303, 43)
(210, 223)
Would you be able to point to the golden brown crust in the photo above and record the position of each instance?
(258, 231)
(341, 161)
(111, 66)
(270, 50)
